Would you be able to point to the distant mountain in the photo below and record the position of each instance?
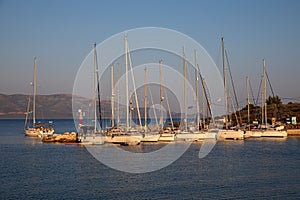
(47, 106)
(59, 106)
(54, 106)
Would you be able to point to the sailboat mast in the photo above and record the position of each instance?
(34, 91)
(95, 89)
(145, 100)
(265, 90)
(169, 109)
(203, 99)
(118, 92)
(160, 94)
(184, 90)
(248, 98)
(134, 89)
(126, 84)
(224, 79)
(197, 90)
(152, 102)
(112, 97)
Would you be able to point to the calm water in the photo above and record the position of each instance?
(250, 169)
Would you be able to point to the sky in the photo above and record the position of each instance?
(61, 33)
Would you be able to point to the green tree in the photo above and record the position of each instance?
(274, 100)
(251, 106)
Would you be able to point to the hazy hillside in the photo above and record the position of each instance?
(60, 106)
(55, 106)
(47, 106)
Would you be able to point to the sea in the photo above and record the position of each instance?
(250, 169)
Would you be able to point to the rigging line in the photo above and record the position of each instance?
(270, 84)
(99, 101)
(252, 94)
(276, 105)
(258, 91)
(219, 57)
(29, 106)
(235, 97)
(27, 111)
(134, 88)
(234, 111)
(189, 76)
(169, 109)
(150, 92)
(206, 94)
(98, 89)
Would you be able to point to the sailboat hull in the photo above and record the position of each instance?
(187, 136)
(166, 137)
(124, 139)
(252, 134)
(92, 139)
(151, 138)
(230, 135)
(273, 133)
(38, 132)
(32, 132)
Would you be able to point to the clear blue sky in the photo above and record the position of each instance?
(61, 34)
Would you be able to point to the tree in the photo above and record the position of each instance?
(251, 106)
(274, 100)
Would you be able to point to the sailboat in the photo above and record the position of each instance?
(129, 135)
(91, 135)
(166, 133)
(184, 134)
(149, 136)
(202, 134)
(194, 133)
(248, 132)
(226, 133)
(37, 129)
(266, 131)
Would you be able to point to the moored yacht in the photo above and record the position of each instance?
(38, 129)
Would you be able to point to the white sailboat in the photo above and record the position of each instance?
(37, 129)
(209, 133)
(268, 132)
(201, 134)
(148, 136)
(166, 133)
(128, 135)
(250, 133)
(93, 135)
(194, 133)
(226, 133)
